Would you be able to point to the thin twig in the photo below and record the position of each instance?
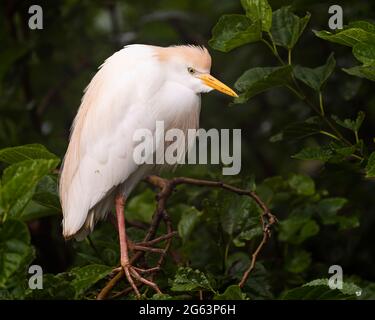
(158, 239)
(254, 257)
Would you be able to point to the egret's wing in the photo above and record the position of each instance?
(99, 156)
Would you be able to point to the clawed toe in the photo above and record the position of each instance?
(132, 274)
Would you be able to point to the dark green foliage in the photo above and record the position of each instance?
(257, 80)
(187, 279)
(233, 31)
(315, 78)
(307, 150)
(319, 290)
(287, 27)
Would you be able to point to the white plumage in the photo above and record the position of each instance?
(133, 89)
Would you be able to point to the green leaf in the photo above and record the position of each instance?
(21, 178)
(299, 262)
(303, 185)
(233, 292)
(15, 250)
(259, 10)
(368, 290)
(27, 152)
(328, 209)
(141, 207)
(20, 206)
(331, 206)
(276, 183)
(297, 229)
(299, 130)
(236, 213)
(314, 153)
(359, 120)
(315, 78)
(365, 52)
(258, 285)
(236, 264)
(234, 30)
(188, 221)
(341, 151)
(32, 211)
(247, 235)
(55, 287)
(348, 222)
(287, 27)
(162, 296)
(319, 290)
(85, 277)
(353, 125)
(364, 25)
(310, 229)
(333, 152)
(187, 279)
(46, 193)
(370, 167)
(348, 36)
(361, 72)
(257, 80)
(348, 288)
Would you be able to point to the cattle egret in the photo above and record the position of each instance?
(134, 88)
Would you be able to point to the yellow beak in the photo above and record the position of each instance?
(216, 84)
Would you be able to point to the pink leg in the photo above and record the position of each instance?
(120, 203)
(129, 270)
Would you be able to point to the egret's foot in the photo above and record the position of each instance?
(139, 270)
(132, 274)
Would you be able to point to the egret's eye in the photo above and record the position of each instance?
(191, 70)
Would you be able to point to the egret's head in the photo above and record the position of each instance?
(190, 66)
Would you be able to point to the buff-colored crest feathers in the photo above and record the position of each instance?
(197, 56)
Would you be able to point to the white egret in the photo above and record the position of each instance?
(133, 89)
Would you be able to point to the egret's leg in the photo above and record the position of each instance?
(120, 201)
(130, 271)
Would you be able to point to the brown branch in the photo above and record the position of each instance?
(158, 239)
(267, 218)
(254, 257)
(166, 187)
(109, 286)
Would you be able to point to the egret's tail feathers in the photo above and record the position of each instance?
(79, 231)
(71, 224)
(87, 227)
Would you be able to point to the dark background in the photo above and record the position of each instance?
(44, 72)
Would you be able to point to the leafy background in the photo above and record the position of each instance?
(306, 110)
